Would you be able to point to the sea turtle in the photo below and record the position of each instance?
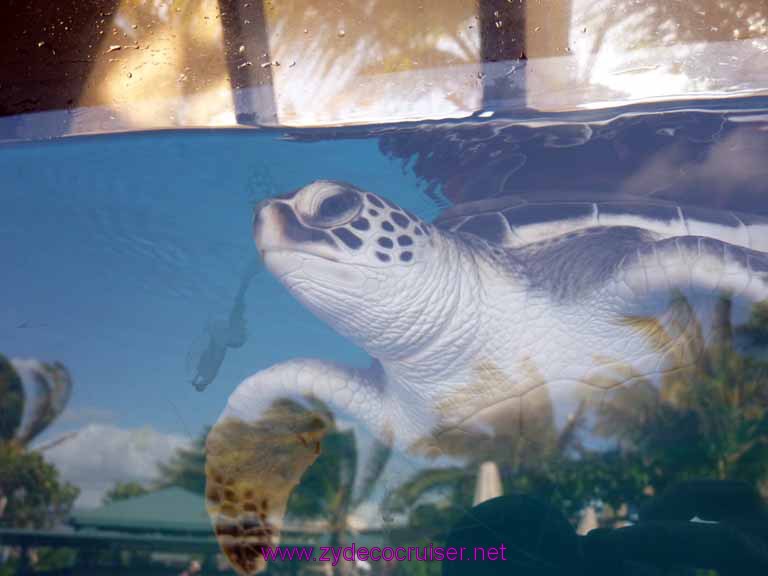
(473, 321)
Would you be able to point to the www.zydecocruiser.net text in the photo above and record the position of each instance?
(334, 555)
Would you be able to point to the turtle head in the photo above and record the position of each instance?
(352, 257)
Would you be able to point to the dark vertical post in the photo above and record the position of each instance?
(246, 50)
(24, 566)
(502, 46)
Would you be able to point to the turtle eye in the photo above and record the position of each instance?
(337, 209)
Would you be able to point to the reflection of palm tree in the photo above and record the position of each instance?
(523, 448)
(12, 394)
(335, 43)
(667, 22)
(708, 421)
(34, 394)
(395, 41)
(331, 488)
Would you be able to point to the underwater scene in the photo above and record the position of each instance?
(507, 345)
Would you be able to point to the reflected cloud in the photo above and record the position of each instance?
(100, 455)
(734, 165)
(682, 155)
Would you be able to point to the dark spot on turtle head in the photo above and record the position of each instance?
(296, 231)
(406, 256)
(426, 229)
(360, 224)
(375, 201)
(383, 257)
(385, 242)
(418, 231)
(373, 212)
(404, 240)
(229, 495)
(399, 219)
(348, 238)
(387, 226)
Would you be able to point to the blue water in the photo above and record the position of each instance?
(124, 247)
(123, 255)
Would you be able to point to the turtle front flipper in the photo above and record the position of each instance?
(663, 283)
(696, 265)
(251, 470)
(269, 434)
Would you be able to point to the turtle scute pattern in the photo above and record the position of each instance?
(515, 222)
(251, 470)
